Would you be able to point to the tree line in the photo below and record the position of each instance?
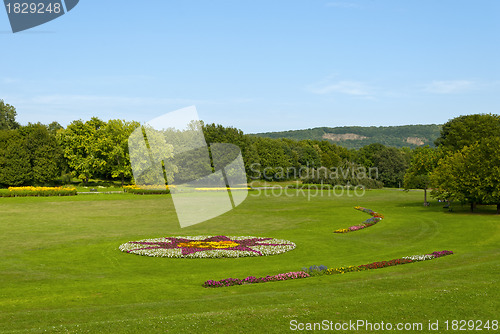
(38, 154)
(464, 166)
(394, 136)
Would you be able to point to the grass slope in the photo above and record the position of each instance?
(61, 270)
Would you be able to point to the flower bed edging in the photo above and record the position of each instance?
(322, 270)
(376, 217)
(252, 279)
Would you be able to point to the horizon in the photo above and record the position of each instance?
(349, 126)
(272, 131)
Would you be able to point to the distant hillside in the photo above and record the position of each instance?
(359, 136)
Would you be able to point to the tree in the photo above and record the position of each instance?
(423, 162)
(44, 153)
(54, 127)
(466, 130)
(7, 116)
(390, 162)
(487, 157)
(83, 145)
(216, 133)
(366, 154)
(391, 165)
(115, 148)
(15, 168)
(272, 158)
(471, 175)
(463, 174)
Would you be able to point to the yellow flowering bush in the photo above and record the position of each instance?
(342, 270)
(342, 230)
(147, 189)
(39, 191)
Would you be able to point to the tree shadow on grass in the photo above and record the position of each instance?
(456, 208)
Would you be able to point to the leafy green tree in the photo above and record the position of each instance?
(392, 165)
(7, 116)
(462, 174)
(366, 154)
(216, 133)
(466, 130)
(115, 148)
(45, 154)
(471, 175)
(486, 156)
(151, 157)
(331, 155)
(308, 153)
(15, 168)
(390, 162)
(83, 145)
(54, 127)
(423, 162)
(273, 158)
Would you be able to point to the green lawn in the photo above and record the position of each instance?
(61, 270)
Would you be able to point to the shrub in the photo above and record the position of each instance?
(147, 190)
(38, 191)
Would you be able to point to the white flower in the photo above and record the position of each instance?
(420, 257)
(138, 247)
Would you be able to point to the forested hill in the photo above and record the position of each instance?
(359, 136)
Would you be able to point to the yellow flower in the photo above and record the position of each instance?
(208, 244)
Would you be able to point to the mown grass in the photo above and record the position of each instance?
(61, 270)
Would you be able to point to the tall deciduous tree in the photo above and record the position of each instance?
(83, 147)
(115, 148)
(44, 153)
(390, 162)
(7, 116)
(466, 130)
(423, 162)
(469, 171)
(471, 175)
(15, 168)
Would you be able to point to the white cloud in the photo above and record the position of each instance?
(449, 87)
(342, 87)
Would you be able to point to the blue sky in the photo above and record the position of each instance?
(258, 65)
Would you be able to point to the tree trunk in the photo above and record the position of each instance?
(425, 197)
(472, 206)
(498, 209)
(123, 177)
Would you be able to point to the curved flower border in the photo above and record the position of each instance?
(208, 246)
(376, 217)
(323, 270)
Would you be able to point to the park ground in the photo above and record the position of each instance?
(61, 270)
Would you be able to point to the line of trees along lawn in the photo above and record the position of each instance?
(464, 167)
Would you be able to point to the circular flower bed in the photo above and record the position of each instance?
(207, 247)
